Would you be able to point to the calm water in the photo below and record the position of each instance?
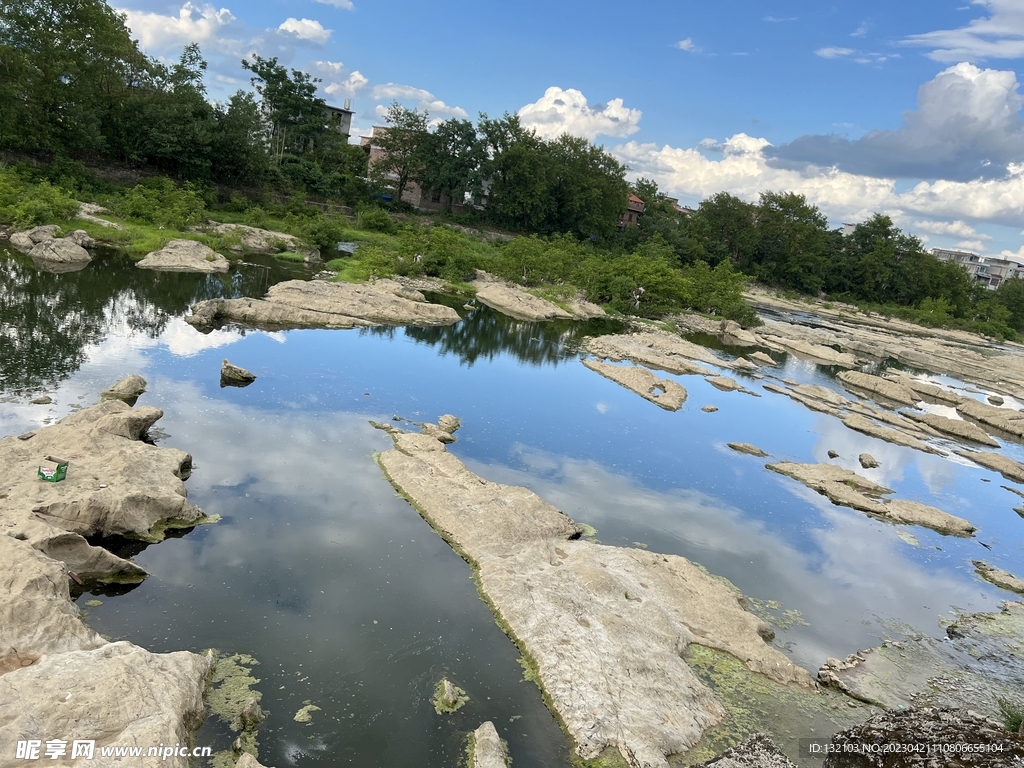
(349, 600)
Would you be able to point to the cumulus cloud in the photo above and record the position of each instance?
(967, 125)
(950, 228)
(425, 101)
(339, 80)
(833, 53)
(1000, 35)
(306, 29)
(345, 4)
(746, 170)
(686, 45)
(194, 23)
(970, 245)
(397, 91)
(567, 111)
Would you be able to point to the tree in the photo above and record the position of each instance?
(451, 158)
(725, 227)
(792, 243)
(239, 141)
(402, 146)
(296, 116)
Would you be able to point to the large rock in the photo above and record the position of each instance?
(602, 628)
(958, 428)
(759, 751)
(732, 334)
(515, 302)
(256, 240)
(116, 485)
(656, 349)
(62, 254)
(886, 389)
(665, 393)
(185, 256)
(999, 577)
(488, 751)
(1003, 419)
(912, 738)
(27, 239)
(318, 304)
(129, 389)
(849, 489)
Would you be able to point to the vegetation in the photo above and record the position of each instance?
(1013, 715)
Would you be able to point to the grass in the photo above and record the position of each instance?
(290, 256)
(1013, 715)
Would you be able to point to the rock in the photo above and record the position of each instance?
(233, 376)
(604, 626)
(517, 303)
(27, 239)
(448, 697)
(815, 352)
(256, 240)
(849, 489)
(655, 349)
(759, 751)
(1004, 419)
(116, 485)
(59, 252)
(814, 396)
(185, 256)
(876, 386)
(449, 424)
(867, 461)
(1004, 465)
(488, 751)
(999, 577)
(665, 393)
(926, 390)
(252, 714)
(44, 400)
(762, 358)
(958, 428)
(943, 736)
(318, 304)
(833, 454)
(724, 383)
(305, 714)
(866, 426)
(248, 761)
(129, 389)
(82, 238)
(89, 211)
(117, 693)
(995, 399)
(710, 409)
(747, 448)
(732, 334)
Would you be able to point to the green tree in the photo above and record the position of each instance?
(402, 146)
(792, 243)
(296, 116)
(725, 227)
(452, 156)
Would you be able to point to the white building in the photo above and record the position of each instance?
(990, 271)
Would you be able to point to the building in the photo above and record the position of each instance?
(634, 210)
(680, 209)
(413, 193)
(990, 271)
(341, 118)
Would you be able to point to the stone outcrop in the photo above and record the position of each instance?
(1004, 465)
(185, 256)
(488, 750)
(256, 240)
(233, 376)
(1002, 419)
(817, 353)
(747, 448)
(762, 358)
(58, 678)
(759, 751)
(946, 737)
(999, 577)
(665, 393)
(732, 334)
(52, 253)
(813, 396)
(515, 302)
(897, 437)
(849, 489)
(129, 389)
(656, 349)
(90, 212)
(876, 386)
(317, 304)
(601, 628)
(27, 239)
(958, 428)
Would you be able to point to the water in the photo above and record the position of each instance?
(345, 595)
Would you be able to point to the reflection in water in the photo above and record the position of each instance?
(48, 320)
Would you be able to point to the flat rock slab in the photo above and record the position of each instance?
(876, 386)
(656, 349)
(958, 428)
(185, 256)
(999, 577)
(318, 304)
(488, 751)
(895, 436)
(602, 626)
(747, 448)
(518, 304)
(1004, 465)
(817, 353)
(849, 489)
(664, 393)
(1002, 419)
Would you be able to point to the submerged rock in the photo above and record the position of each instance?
(317, 304)
(867, 461)
(185, 256)
(487, 750)
(849, 489)
(448, 697)
(926, 737)
(747, 448)
(601, 628)
(665, 393)
(233, 376)
(129, 389)
(759, 751)
(999, 577)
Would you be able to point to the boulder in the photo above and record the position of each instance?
(449, 424)
(664, 393)
(867, 461)
(185, 256)
(318, 304)
(488, 749)
(833, 454)
(759, 751)
(999, 577)
(604, 628)
(27, 239)
(129, 389)
(732, 334)
(233, 376)
(515, 302)
(59, 251)
(82, 238)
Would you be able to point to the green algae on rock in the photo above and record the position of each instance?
(448, 698)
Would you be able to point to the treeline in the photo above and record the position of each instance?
(784, 242)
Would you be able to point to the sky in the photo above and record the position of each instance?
(911, 109)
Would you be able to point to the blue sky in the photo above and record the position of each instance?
(912, 108)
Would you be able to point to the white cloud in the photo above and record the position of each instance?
(306, 29)
(860, 31)
(833, 52)
(970, 245)
(340, 81)
(566, 111)
(344, 4)
(951, 228)
(774, 20)
(194, 23)
(425, 100)
(397, 91)
(686, 45)
(1000, 35)
(354, 82)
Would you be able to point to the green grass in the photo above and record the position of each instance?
(289, 256)
(1013, 715)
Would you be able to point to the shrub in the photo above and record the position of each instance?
(375, 220)
(1013, 715)
(27, 205)
(162, 204)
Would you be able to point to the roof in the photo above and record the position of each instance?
(635, 199)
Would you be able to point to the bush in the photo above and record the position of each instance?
(1013, 715)
(375, 220)
(256, 217)
(324, 232)
(159, 202)
(27, 205)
